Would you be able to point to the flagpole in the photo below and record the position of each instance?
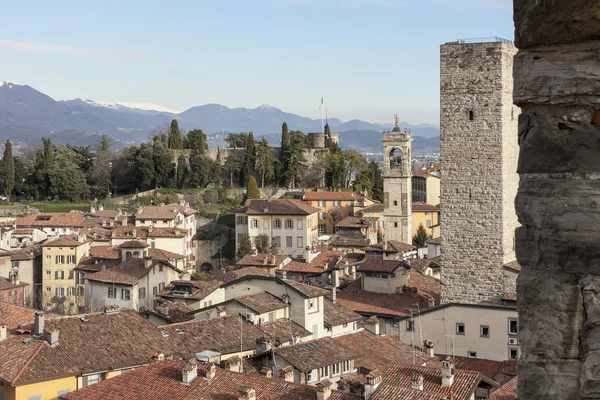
(322, 126)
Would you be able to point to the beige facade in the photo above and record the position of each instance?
(428, 219)
(338, 204)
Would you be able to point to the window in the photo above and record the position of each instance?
(311, 304)
(239, 220)
(154, 290)
(299, 224)
(460, 328)
(240, 238)
(48, 289)
(277, 241)
(59, 274)
(161, 286)
(336, 203)
(346, 366)
(336, 369)
(93, 379)
(323, 372)
(80, 291)
(71, 291)
(345, 326)
(484, 331)
(254, 223)
(71, 259)
(513, 326)
(112, 293)
(428, 223)
(60, 291)
(309, 377)
(322, 229)
(125, 294)
(142, 293)
(277, 223)
(472, 354)
(60, 259)
(265, 223)
(15, 264)
(288, 241)
(71, 274)
(300, 242)
(289, 224)
(80, 277)
(321, 203)
(160, 268)
(471, 115)
(321, 215)
(48, 274)
(410, 325)
(513, 353)
(395, 224)
(48, 257)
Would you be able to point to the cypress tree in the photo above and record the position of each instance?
(8, 168)
(249, 163)
(284, 156)
(181, 170)
(175, 139)
(327, 136)
(252, 191)
(420, 237)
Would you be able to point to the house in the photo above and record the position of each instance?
(339, 320)
(17, 320)
(194, 294)
(169, 312)
(425, 214)
(426, 185)
(349, 244)
(434, 247)
(53, 224)
(59, 283)
(172, 240)
(26, 263)
(181, 379)
(335, 206)
(268, 262)
(426, 266)
(60, 355)
(25, 237)
(133, 283)
(13, 291)
(326, 268)
(358, 228)
(290, 224)
(391, 250)
(374, 211)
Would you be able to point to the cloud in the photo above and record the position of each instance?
(36, 47)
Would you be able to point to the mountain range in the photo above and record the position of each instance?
(26, 115)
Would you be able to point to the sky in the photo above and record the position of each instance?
(368, 59)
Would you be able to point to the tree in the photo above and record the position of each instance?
(377, 180)
(244, 247)
(232, 166)
(182, 170)
(200, 170)
(66, 178)
(105, 143)
(264, 245)
(420, 237)
(235, 140)
(335, 169)
(249, 161)
(327, 136)
(8, 169)
(101, 174)
(175, 139)
(252, 191)
(145, 165)
(284, 156)
(162, 162)
(296, 158)
(335, 216)
(265, 161)
(217, 174)
(197, 141)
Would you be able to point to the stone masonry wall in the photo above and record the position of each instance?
(478, 167)
(557, 86)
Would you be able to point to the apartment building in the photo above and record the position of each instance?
(426, 185)
(53, 224)
(426, 215)
(335, 206)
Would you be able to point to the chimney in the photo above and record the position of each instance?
(372, 325)
(267, 372)
(334, 294)
(134, 232)
(52, 336)
(189, 372)
(158, 356)
(147, 261)
(263, 345)
(283, 274)
(246, 393)
(211, 371)
(447, 372)
(428, 347)
(92, 209)
(100, 207)
(221, 311)
(150, 228)
(164, 310)
(265, 261)
(111, 309)
(233, 364)
(324, 389)
(287, 373)
(416, 382)
(38, 328)
(103, 222)
(2, 332)
(430, 302)
(15, 278)
(111, 223)
(373, 382)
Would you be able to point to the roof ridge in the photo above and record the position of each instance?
(28, 363)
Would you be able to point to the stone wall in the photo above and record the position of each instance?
(478, 166)
(557, 86)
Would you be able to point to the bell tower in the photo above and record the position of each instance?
(397, 188)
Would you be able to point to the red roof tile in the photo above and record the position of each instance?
(329, 196)
(71, 219)
(165, 213)
(15, 317)
(509, 297)
(127, 273)
(64, 241)
(276, 207)
(375, 208)
(105, 252)
(239, 273)
(316, 354)
(508, 391)
(196, 290)
(421, 206)
(392, 392)
(514, 265)
(335, 314)
(436, 241)
(392, 246)
(261, 302)
(380, 265)
(261, 259)
(176, 311)
(302, 267)
(487, 368)
(282, 330)
(134, 244)
(6, 284)
(357, 222)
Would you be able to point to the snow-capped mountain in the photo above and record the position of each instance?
(9, 84)
(132, 106)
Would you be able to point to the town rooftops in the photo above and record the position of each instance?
(25, 254)
(164, 255)
(316, 354)
(64, 241)
(193, 290)
(393, 392)
(357, 222)
(105, 252)
(335, 314)
(391, 246)
(261, 259)
(134, 244)
(329, 196)
(421, 206)
(132, 231)
(282, 330)
(339, 241)
(172, 311)
(15, 317)
(421, 264)
(164, 212)
(276, 207)
(380, 265)
(301, 267)
(240, 273)
(7, 284)
(70, 219)
(508, 391)
(166, 378)
(127, 273)
(261, 302)
(375, 208)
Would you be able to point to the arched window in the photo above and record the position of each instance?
(396, 158)
(128, 254)
(136, 254)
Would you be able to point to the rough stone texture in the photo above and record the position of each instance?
(397, 186)
(479, 163)
(557, 86)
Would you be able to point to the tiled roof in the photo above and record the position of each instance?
(509, 368)
(23, 254)
(282, 329)
(261, 302)
(276, 207)
(436, 241)
(71, 219)
(377, 352)
(375, 208)
(105, 252)
(239, 273)
(199, 289)
(487, 368)
(64, 241)
(6, 284)
(421, 264)
(380, 265)
(302, 267)
(165, 213)
(163, 255)
(177, 311)
(335, 314)
(127, 231)
(104, 214)
(392, 392)
(357, 222)
(421, 206)
(342, 196)
(508, 391)
(509, 297)
(15, 317)
(127, 273)
(220, 334)
(462, 388)
(134, 244)
(327, 258)
(350, 242)
(308, 290)
(22, 232)
(316, 354)
(513, 265)
(259, 260)
(97, 342)
(166, 383)
(392, 246)
(167, 232)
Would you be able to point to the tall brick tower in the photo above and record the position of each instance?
(479, 151)
(397, 187)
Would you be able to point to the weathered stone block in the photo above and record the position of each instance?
(555, 21)
(590, 376)
(545, 381)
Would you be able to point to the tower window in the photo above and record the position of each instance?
(395, 202)
(395, 224)
(471, 115)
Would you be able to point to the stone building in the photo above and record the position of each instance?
(479, 163)
(397, 187)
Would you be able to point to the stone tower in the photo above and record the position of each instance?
(397, 187)
(479, 151)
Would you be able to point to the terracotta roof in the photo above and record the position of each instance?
(177, 311)
(166, 379)
(134, 244)
(509, 297)
(70, 219)
(198, 289)
(281, 330)
(240, 273)
(167, 232)
(105, 252)
(91, 264)
(22, 255)
(163, 255)
(392, 246)
(165, 213)
(15, 317)
(509, 368)
(513, 265)
(276, 207)
(357, 222)
(261, 302)
(421, 264)
(127, 231)
(464, 385)
(508, 391)
(327, 258)
(316, 354)
(436, 241)
(335, 314)
(6, 284)
(350, 242)
(308, 290)
(421, 206)
(392, 392)
(375, 208)
(127, 273)
(380, 265)
(487, 368)
(302, 267)
(64, 241)
(121, 340)
(328, 196)
(22, 232)
(377, 352)
(260, 258)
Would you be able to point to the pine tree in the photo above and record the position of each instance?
(252, 191)
(8, 169)
(105, 142)
(265, 161)
(420, 237)
(182, 170)
(175, 139)
(284, 156)
(249, 162)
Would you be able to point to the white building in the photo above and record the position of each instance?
(291, 224)
(53, 224)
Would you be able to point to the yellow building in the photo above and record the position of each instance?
(344, 204)
(59, 277)
(426, 185)
(426, 215)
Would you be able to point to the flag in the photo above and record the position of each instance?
(321, 105)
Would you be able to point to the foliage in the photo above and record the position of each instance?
(8, 170)
(261, 242)
(198, 276)
(175, 138)
(197, 141)
(67, 179)
(420, 237)
(249, 161)
(244, 247)
(237, 140)
(335, 215)
(182, 171)
(296, 159)
(252, 191)
(284, 156)
(232, 166)
(265, 161)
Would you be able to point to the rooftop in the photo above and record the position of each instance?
(15, 317)
(261, 259)
(316, 354)
(64, 241)
(380, 265)
(282, 330)
(6, 284)
(391, 246)
(276, 207)
(127, 273)
(421, 206)
(375, 208)
(357, 222)
(436, 241)
(195, 290)
(164, 212)
(134, 244)
(393, 392)
(508, 391)
(261, 302)
(335, 314)
(105, 252)
(328, 196)
(176, 311)
(70, 219)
